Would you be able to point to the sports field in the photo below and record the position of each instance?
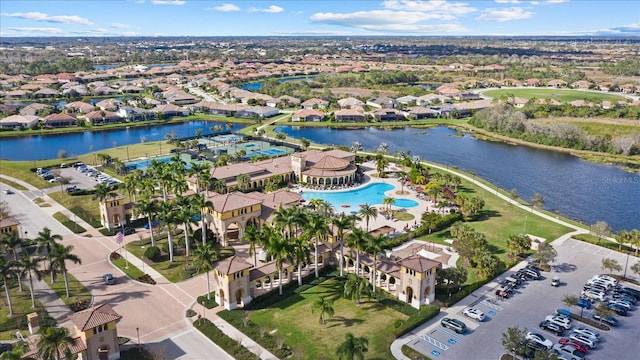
(562, 95)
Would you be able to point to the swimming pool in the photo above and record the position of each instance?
(371, 194)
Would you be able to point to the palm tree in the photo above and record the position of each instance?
(301, 247)
(147, 207)
(367, 213)
(355, 287)
(201, 202)
(203, 258)
(252, 236)
(342, 223)
(280, 249)
(324, 306)
(131, 183)
(11, 241)
(201, 171)
(389, 201)
(59, 256)
(16, 353)
(7, 271)
(375, 245)
(356, 241)
(29, 265)
(46, 241)
(317, 227)
(103, 192)
(168, 217)
(184, 216)
(243, 181)
(322, 207)
(352, 348)
(381, 162)
(54, 343)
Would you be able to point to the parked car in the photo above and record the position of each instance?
(592, 294)
(632, 291)
(618, 309)
(585, 339)
(129, 231)
(575, 344)
(568, 352)
(555, 282)
(587, 331)
(4, 347)
(72, 189)
(540, 339)
(108, 279)
(584, 303)
(474, 314)
(554, 328)
(154, 223)
(621, 303)
(454, 324)
(560, 321)
(609, 320)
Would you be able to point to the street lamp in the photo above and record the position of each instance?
(625, 266)
(138, 333)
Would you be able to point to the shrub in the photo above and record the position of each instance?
(147, 279)
(191, 313)
(208, 303)
(152, 253)
(114, 256)
(231, 346)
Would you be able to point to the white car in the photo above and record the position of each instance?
(560, 321)
(624, 304)
(585, 339)
(540, 339)
(474, 314)
(587, 331)
(591, 294)
(606, 278)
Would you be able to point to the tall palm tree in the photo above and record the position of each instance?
(317, 227)
(342, 223)
(322, 207)
(252, 236)
(201, 202)
(200, 171)
(167, 215)
(11, 241)
(60, 254)
(367, 213)
(30, 265)
(352, 348)
(376, 245)
(243, 181)
(355, 287)
(46, 241)
(325, 307)
(7, 271)
(54, 343)
(280, 249)
(184, 216)
(148, 207)
(103, 192)
(356, 241)
(389, 201)
(203, 258)
(131, 184)
(301, 248)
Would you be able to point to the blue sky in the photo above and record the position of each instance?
(318, 17)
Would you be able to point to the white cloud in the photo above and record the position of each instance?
(119, 26)
(36, 30)
(168, 2)
(224, 8)
(507, 1)
(374, 17)
(557, 1)
(271, 9)
(38, 16)
(506, 14)
(430, 6)
(99, 31)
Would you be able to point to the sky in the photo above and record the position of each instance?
(318, 18)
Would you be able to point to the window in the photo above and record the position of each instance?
(100, 329)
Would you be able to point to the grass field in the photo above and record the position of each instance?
(21, 304)
(293, 320)
(562, 95)
(600, 126)
(82, 205)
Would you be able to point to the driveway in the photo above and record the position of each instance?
(576, 262)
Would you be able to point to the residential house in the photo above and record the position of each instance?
(19, 122)
(407, 100)
(533, 82)
(382, 102)
(315, 103)
(17, 94)
(557, 83)
(111, 104)
(388, 115)
(46, 93)
(102, 117)
(261, 112)
(79, 107)
(582, 84)
(466, 96)
(58, 121)
(8, 224)
(104, 90)
(605, 86)
(170, 110)
(308, 115)
(134, 114)
(349, 102)
(420, 113)
(350, 115)
(96, 333)
(34, 108)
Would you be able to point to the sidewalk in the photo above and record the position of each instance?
(232, 332)
(51, 302)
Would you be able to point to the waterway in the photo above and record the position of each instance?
(575, 188)
(255, 86)
(47, 146)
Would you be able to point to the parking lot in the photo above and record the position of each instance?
(76, 178)
(527, 307)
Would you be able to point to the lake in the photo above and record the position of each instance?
(47, 146)
(255, 86)
(577, 189)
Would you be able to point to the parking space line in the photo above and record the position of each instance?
(455, 335)
(434, 342)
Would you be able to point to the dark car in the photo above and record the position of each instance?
(618, 309)
(549, 326)
(129, 231)
(108, 279)
(609, 320)
(154, 223)
(72, 189)
(584, 303)
(454, 324)
(4, 347)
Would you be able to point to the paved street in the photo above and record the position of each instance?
(576, 262)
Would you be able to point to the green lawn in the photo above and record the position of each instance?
(77, 291)
(562, 95)
(82, 205)
(21, 304)
(293, 321)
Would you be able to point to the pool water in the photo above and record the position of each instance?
(371, 194)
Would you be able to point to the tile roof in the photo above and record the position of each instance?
(232, 201)
(8, 221)
(418, 263)
(232, 265)
(94, 317)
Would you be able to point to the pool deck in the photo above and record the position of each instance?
(383, 220)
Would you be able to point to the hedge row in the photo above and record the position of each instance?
(229, 345)
(237, 319)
